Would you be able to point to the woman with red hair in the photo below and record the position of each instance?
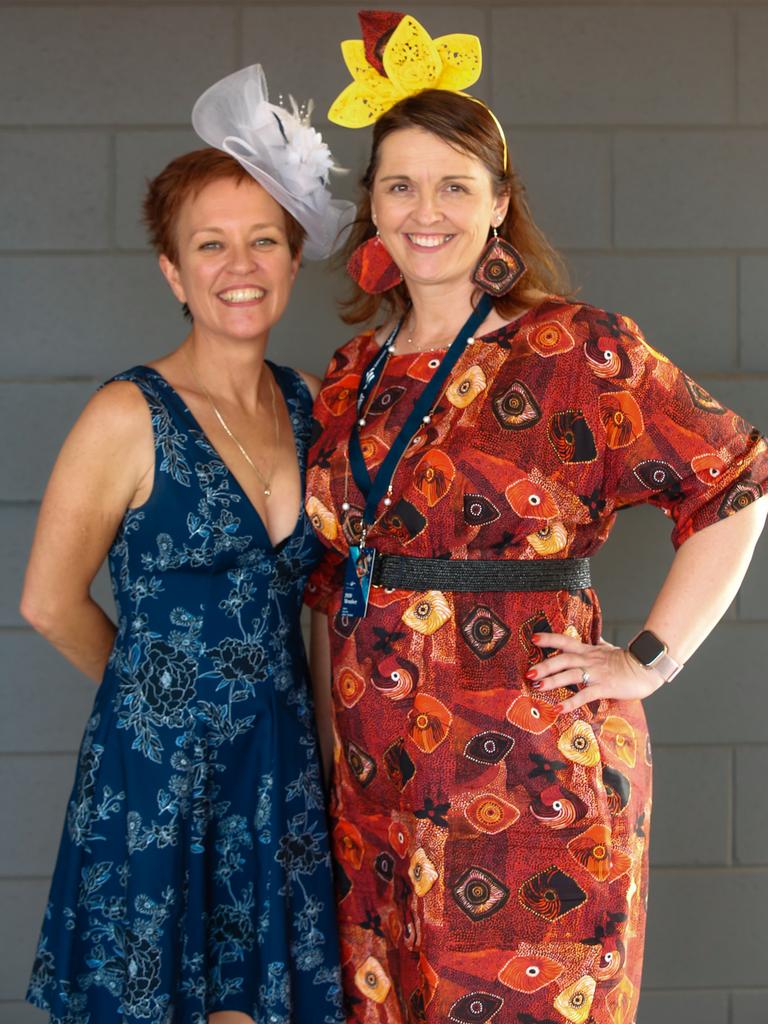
(193, 880)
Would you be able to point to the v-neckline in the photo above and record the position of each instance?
(274, 548)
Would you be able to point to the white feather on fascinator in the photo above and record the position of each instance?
(280, 150)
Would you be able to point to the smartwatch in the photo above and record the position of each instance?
(651, 652)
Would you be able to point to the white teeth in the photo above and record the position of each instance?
(429, 241)
(243, 294)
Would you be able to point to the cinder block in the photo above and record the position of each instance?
(568, 180)
(752, 67)
(37, 417)
(683, 1008)
(140, 156)
(754, 312)
(17, 526)
(753, 596)
(747, 395)
(705, 929)
(595, 65)
(113, 65)
(310, 328)
(691, 823)
(101, 315)
(299, 45)
(21, 913)
(60, 198)
(34, 797)
(630, 567)
(669, 190)
(749, 1007)
(751, 806)
(46, 700)
(720, 697)
(671, 298)
(21, 1013)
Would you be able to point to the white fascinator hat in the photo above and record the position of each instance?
(280, 150)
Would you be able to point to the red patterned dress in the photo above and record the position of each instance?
(492, 856)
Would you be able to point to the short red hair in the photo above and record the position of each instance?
(186, 177)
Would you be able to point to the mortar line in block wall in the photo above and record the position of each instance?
(639, 128)
(730, 1007)
(704, 988)
(572, 251)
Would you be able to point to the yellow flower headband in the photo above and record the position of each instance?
(396, 58)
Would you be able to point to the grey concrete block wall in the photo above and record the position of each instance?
(641, 132)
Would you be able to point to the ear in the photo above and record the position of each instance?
(295, 264)
(500, 207)
(171, 274)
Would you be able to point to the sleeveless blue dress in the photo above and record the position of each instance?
(194, 871)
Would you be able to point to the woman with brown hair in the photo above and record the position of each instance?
(192, 884)
(491, 788)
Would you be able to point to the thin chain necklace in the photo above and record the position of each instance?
(266, 482)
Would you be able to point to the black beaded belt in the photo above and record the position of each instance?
(477, 575)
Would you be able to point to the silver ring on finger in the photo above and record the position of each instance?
(585, 677)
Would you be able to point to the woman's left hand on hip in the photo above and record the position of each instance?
(601, 671)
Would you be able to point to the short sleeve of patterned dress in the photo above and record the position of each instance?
(669, 442)
(324, 581)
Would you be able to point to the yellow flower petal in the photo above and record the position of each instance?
(353, 52)
(362, 103)
(462, 61)
(410, 58)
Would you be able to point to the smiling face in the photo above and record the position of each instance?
(433, 206)
(234, 267)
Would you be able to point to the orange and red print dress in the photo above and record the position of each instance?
(492, 855)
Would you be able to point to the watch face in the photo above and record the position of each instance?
(647, 648)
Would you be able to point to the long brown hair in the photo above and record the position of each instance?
(468, 126)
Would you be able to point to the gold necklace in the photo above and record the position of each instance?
(266, 482)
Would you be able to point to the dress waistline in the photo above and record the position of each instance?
(479, 575)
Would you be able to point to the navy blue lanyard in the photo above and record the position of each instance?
(373, 490)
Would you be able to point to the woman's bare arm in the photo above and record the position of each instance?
(703, 579)
(105, 465)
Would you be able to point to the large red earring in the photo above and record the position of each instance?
(500, 268)
(373, 268)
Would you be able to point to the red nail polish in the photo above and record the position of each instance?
(531, 673)
(537, 684)
(535, 637)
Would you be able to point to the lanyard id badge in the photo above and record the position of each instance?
(357, 581)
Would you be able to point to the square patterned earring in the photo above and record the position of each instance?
(500, 267)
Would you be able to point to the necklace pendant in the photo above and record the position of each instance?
(267, 491)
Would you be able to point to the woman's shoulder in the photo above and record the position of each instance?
(352, 355)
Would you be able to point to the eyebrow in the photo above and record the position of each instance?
(268, 225)
(446, 177)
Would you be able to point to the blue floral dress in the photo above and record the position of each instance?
(194, 872)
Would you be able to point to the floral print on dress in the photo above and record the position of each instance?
(194, 871)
